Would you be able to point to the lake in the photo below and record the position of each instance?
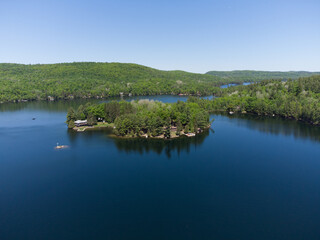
(235, 84)
(246, 178)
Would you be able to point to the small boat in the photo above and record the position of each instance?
(33, 118)
(60, 146)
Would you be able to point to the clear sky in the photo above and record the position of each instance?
(196, 36)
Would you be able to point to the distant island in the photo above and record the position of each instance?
(142, 118)
(21, 83)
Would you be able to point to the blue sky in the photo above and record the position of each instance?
(195, 36)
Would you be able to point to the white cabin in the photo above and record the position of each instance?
(79, 123)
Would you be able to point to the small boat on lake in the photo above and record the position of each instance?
(61, 146)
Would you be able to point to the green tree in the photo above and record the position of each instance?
(91, 119)
(80, 113)
(71, 117)
(167, 131)
(179, 127)
(71, 125)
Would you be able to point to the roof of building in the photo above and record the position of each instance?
(80, 121)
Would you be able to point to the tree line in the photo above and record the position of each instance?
(257, 76)
(20, 82)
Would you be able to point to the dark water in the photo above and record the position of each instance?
(246, 178)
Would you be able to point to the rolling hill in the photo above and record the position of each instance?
(97, 80)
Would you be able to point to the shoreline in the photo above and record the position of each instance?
(264, 115)
(105, 97)
(173, 134)
(160, 137)
(97, 126)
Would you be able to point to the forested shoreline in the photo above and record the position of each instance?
(295, 99)
(19, 82)
(143, 118)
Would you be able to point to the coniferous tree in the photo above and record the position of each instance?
(91, 119)
(167, 132)
(71, 117)
(71, 125)
(80, 113)
(179, 128)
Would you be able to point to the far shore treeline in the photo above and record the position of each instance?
(19, 82)
(258, 76)
(146, 118)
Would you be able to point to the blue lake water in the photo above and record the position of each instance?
(246, 178)
(228, 85)
(247, 83)
(235, 84)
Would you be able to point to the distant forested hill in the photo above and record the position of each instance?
(97, 80)
(100, 80)
(256, 76)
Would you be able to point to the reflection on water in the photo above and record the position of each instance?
(88, 135)
(142, 145)
(277, 126)
(55, 106)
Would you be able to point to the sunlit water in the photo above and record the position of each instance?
(246, 178)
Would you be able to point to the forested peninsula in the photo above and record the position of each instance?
(142, 118)
(296, 99)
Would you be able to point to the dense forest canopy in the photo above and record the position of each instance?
(97, 80)
(297, 99)
(144, 117)
(257, 76)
